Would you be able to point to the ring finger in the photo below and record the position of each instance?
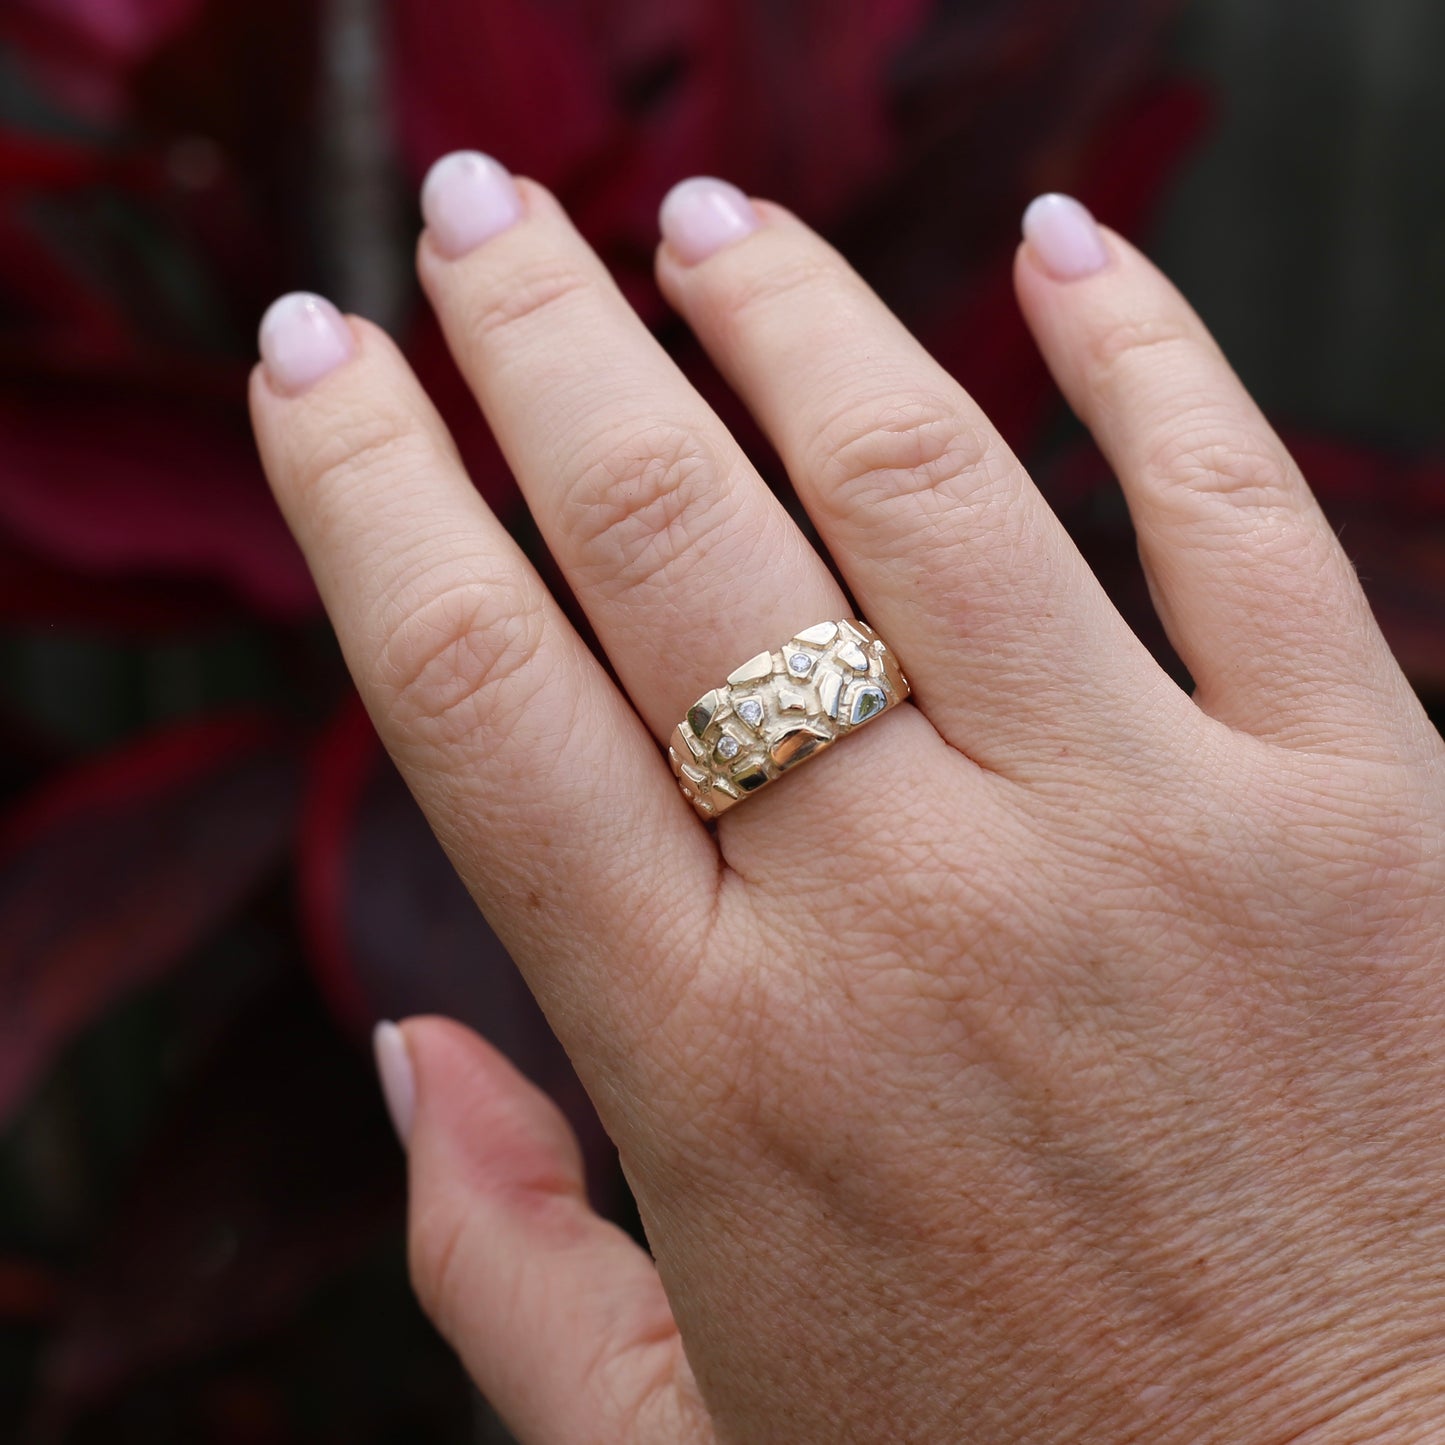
(1013, 648)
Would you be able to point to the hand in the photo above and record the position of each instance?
(1060, 1058)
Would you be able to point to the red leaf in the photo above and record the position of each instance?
(124, 29)
(47, 298)
(43, 162)
(113, 481)
(511, 76)
(110, 873)
(791, 101)
(344, 758)
(985, 342)
(85, 49)
(1128, 166)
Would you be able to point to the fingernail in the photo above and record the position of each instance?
(466, 199)
(303, 337)
(398, 1082)
(702, 215)
(1064, 238)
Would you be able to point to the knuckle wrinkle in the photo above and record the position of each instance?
(907, 448)
(455, 652)
(648, 500)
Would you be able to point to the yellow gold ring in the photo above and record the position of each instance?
(779, 709)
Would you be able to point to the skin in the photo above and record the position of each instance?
(1058, 1059)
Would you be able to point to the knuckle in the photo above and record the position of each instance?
(459, 651)
(1117, 349)
(891, 448)
(532, 293)
(1242, 471)
(1202, 452)
(650, 498)
(369, 444)
(780, 281)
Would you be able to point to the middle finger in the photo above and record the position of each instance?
(683, 559)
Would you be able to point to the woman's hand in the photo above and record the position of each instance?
(1060, 1059)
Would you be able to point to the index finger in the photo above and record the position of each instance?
(541, 782)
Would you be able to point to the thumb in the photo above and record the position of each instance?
(557, 1315)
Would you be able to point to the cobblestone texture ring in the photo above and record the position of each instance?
(781, 708)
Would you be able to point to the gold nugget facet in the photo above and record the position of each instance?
(779, 709)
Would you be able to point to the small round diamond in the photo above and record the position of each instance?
(728, 747)
(800, 664)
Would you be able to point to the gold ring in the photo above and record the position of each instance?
(779, 709)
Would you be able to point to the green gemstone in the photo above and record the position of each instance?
(869, 702)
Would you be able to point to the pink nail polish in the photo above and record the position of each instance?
(398, 1080)
(303, 337)
(466, 199)
(702, 215)
(1064, 238)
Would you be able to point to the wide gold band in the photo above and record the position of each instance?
(781, 708)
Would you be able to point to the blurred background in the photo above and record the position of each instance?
(211, 881)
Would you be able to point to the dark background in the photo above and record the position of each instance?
(211, 883)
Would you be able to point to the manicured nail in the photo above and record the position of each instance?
(466, 199)
(398, 1082)
(701, 216)
(302, 338)
(1064, 238)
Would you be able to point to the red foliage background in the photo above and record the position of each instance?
(211, 881)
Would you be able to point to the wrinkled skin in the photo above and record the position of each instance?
(1058, 1059)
